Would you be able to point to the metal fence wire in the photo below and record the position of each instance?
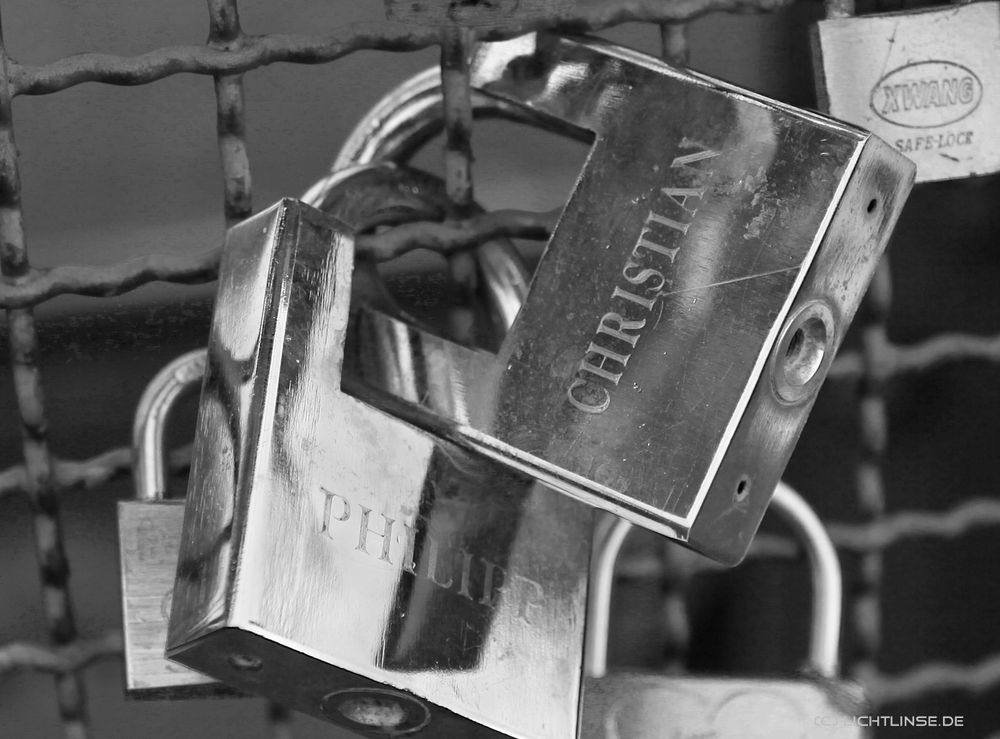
(43, 476)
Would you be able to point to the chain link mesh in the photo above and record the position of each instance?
(229, 53)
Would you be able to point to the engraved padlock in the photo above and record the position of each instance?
(644, 706)
(344, 563)
(149, 530)
(926, 80)
(690, 300)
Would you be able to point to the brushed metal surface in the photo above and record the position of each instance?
(330, 548)
(629, 706)
(927, 81)
(643, 706)
(149, 535)
(149, 530)
(648, 372)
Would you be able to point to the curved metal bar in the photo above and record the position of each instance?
(609, 535)
(824, 640)
(411, 115)
(827, 579)
(402, 122)
(175, 381)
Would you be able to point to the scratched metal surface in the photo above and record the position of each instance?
(916, 538)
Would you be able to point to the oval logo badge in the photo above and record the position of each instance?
(926, 94)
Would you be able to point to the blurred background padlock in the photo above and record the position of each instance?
(105, 179)
(813, 703)
(149, 531)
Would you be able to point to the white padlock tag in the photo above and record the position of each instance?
(928, 82)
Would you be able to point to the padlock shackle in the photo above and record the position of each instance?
(409, 116)
(177, 380)
(824, 566)
(826, 576)
(406, 119)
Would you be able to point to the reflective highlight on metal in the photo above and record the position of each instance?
(410, 116)
(638, 377)
(365, 195)
(630, 706)
(330, 547)
(149, 532)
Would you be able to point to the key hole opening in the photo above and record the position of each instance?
(742, 489)
(805, 352)
(872, 205)
(376, 711)
(245, 662)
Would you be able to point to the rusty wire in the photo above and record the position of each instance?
(39, 483)
(258, 51)
(866, 603)
(228, 54)
(61, 660)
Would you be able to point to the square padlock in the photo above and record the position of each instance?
(344, 563)
(927, 81)
(690, 300)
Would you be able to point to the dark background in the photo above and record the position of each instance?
(111, 173)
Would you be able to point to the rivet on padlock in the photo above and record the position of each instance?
(149, 530)
(344, 563)
(631, 706)
(691, 299)
(925, 80)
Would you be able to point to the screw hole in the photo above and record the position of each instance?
(245, 662)
(742, 488)
(872, 205)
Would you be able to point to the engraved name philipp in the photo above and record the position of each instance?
(456, 568)
(648, 271)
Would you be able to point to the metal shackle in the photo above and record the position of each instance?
(411, 114)
(504, 275)
(177, 380)
(407, 118)
(824, 566)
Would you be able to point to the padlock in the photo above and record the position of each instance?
(690, 300)
(149, 530)
(634, 706)
(927, 81)
(344, 563)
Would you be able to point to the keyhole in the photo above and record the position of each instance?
(742, 489)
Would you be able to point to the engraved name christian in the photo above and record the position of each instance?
(648, 271)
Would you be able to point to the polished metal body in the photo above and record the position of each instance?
(631, 706)
(926, 80)
(344, 563)
(149, 532)
(688, 305)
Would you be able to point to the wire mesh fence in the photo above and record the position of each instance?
(44, 477)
